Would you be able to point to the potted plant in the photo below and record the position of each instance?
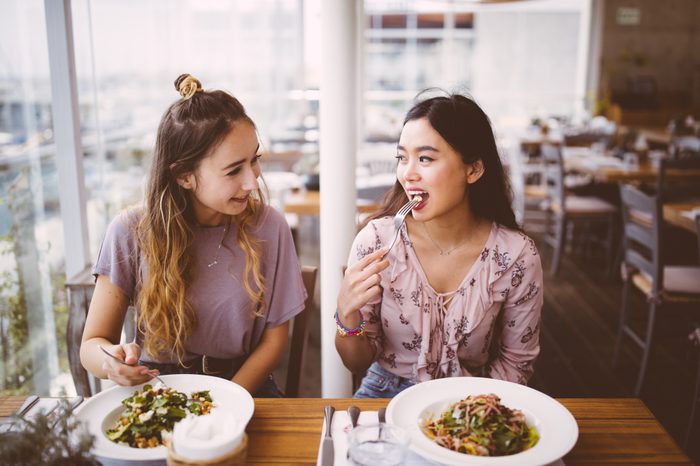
(56, 439)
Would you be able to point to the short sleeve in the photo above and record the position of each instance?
(519, 339)
(117, 258)
(285, 287)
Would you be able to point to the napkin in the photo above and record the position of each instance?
(340, 426)
(207, 437)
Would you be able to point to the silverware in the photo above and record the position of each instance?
(381, 417)
(400, 217)
(354, 413)
(27, 405)
(124, 363)
(327, 453)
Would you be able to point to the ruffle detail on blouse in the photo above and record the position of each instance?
(398, 256)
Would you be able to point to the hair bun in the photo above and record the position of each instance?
(187, 85)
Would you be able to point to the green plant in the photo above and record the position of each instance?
(56, 439)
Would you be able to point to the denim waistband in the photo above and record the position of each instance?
(396, 380)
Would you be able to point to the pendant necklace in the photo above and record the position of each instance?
(218, 249)
(442, 251)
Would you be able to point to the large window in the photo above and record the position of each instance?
(32, 304)
(517, 59)
(127, 64)
(127, 55)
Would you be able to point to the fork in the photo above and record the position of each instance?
(130, 365)
(400, 217)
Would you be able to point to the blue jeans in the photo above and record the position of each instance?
(380, 383)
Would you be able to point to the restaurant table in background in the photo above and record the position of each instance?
(309, 203)
(611, 430)
(608, 169)
(682, 214)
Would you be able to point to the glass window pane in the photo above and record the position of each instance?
(32, 301)
(252, 49)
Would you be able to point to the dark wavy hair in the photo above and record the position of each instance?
(467, 129)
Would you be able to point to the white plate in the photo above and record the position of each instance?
(99, 413)
(555, 424)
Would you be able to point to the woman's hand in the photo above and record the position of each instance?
(129, 373)
(359, 286)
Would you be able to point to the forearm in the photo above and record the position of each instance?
(357, 352)
(263, 360)
(92, 358)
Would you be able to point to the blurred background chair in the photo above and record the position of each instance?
(565, 209)
(671, 188)
(695, 339)
(81, 287)
(643, 268)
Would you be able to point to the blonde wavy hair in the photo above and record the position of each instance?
(189, 130)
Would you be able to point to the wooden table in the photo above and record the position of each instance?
(645, 172)
(309, 203)
(673, 214)
(611, 431)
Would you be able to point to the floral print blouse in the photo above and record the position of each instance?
(489, 326)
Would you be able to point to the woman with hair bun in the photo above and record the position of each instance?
(210, 268)
(460, 293)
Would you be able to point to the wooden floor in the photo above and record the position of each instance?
(579, 325)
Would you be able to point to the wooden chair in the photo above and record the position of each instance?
(644, 269)
(81, 287)
(677, 189)
(300, 335)
(695, 339)
(564, 209)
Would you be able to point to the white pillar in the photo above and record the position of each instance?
(66, 130)
(338, 143)
(582, 57)
(595, 45)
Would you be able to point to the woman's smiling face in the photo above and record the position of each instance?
(429, 166)
(223, 181)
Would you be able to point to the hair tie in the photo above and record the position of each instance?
(189, 86)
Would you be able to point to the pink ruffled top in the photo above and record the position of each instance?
(489, 326)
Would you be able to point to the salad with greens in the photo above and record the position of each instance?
(480, 425)
(155, 410)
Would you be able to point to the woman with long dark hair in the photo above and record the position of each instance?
(460, 293)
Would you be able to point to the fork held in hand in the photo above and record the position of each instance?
(400, 217)
(126, 364)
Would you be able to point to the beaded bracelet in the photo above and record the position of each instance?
(343, 331)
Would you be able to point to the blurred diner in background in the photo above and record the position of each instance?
(594, 104)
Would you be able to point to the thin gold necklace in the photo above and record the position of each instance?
(218, 249)
(442, 251)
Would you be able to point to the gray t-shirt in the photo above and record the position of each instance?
(226, 325)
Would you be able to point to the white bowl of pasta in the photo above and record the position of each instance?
(480, 421)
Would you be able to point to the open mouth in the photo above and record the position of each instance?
(421, 196)
(240, 199)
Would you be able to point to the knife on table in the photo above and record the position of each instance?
(27, 405)
(327, 453)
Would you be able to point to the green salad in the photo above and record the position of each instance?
(481, 425)
(152, 411)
